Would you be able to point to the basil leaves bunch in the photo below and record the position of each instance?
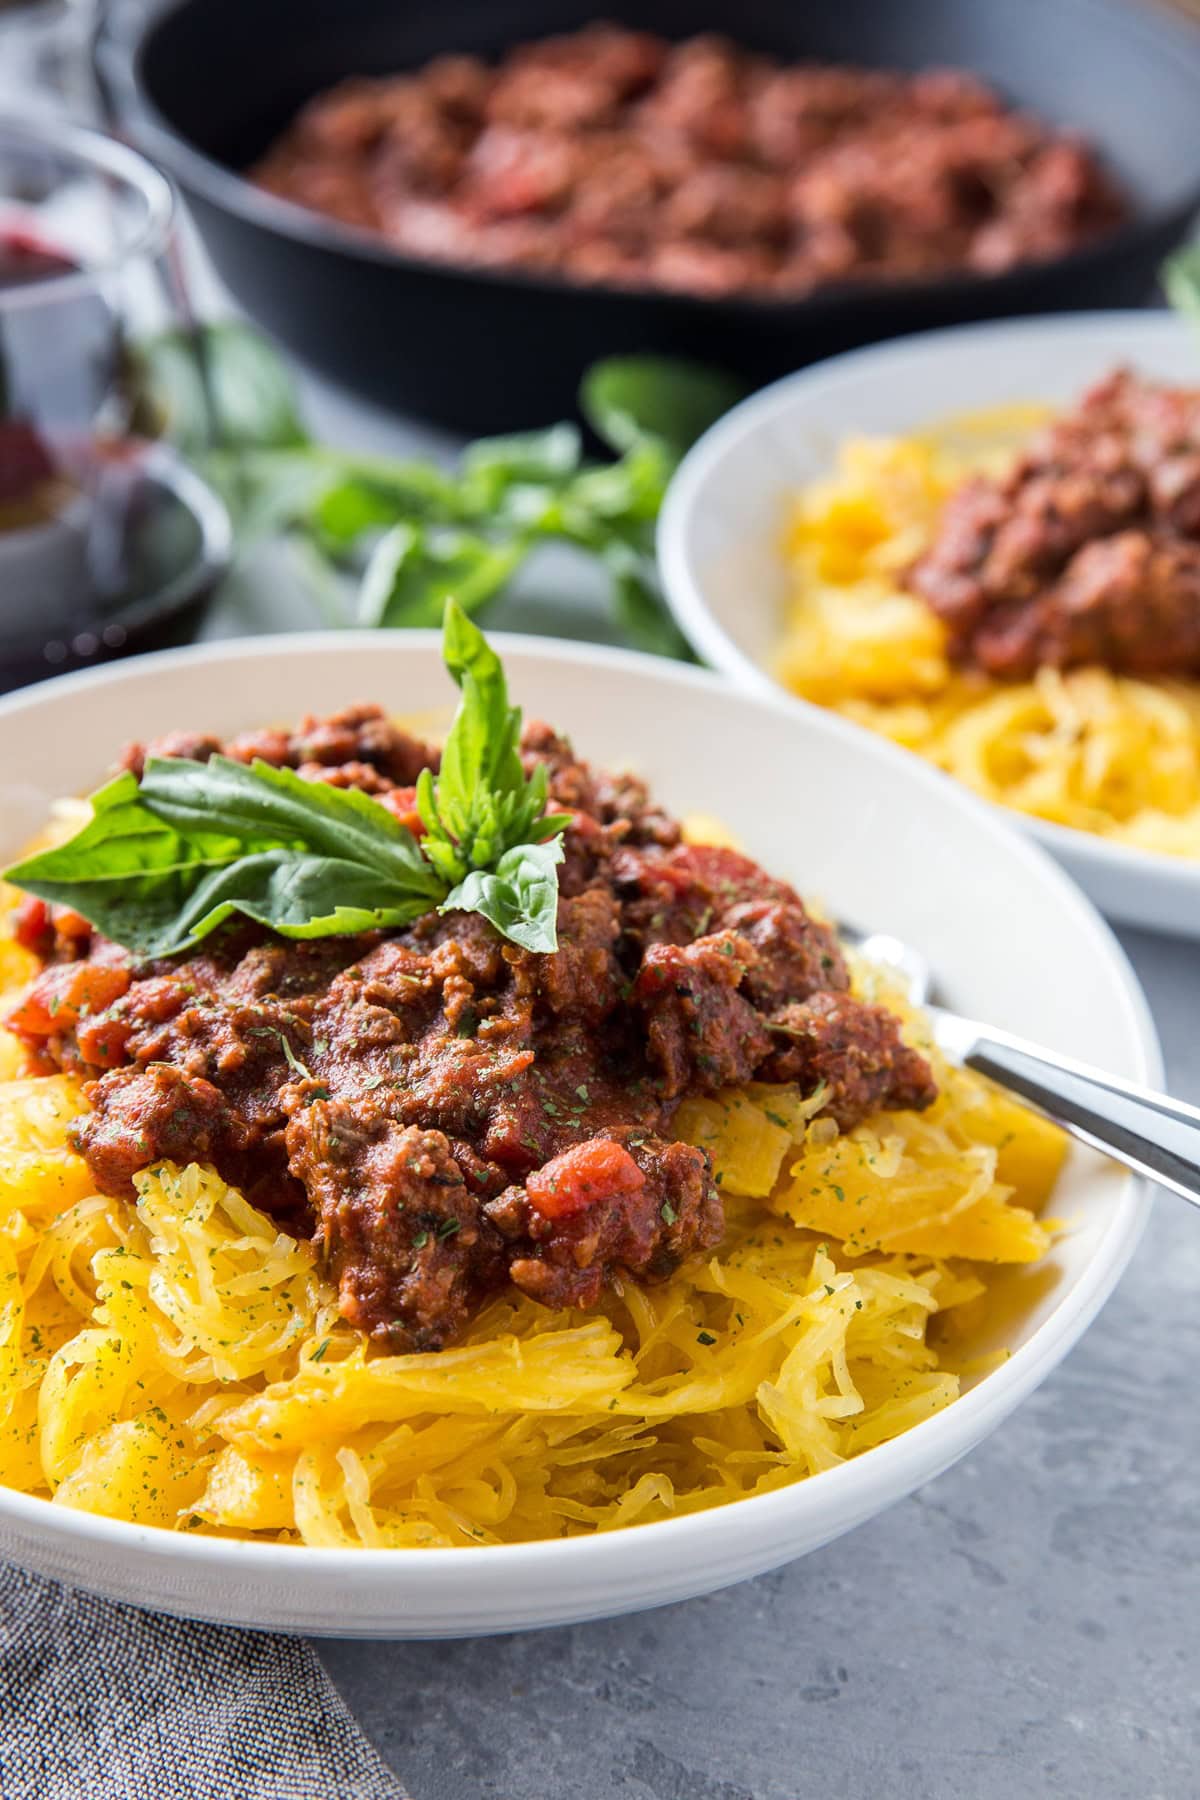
(163, 862)
(410, 532)
(487, 831)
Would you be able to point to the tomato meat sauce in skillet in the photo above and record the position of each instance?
(612, 156)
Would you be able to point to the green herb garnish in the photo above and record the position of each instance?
(412, 532)
(290, 1057)
(164, 861)
(482, 808)
(1180, 276)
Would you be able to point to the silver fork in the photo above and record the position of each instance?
(1148, 1132)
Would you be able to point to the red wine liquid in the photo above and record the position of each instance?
(25, 258)
(33, 489)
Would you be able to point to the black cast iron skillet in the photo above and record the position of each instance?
(209, 83)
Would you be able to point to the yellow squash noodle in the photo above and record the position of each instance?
(179, 1361)
(1104, 753)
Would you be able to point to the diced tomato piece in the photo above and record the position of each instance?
(577, 1178)
(69, 924)
(402, 803)
(61, 994)
(36, 925)
(31, 923)
(725, 873)
(158, 998)
(102, 1040)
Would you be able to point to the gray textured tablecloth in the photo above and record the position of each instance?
(102, 1702)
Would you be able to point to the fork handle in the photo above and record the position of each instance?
(1148, 1132)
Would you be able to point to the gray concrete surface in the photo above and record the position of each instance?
(1026, 1626)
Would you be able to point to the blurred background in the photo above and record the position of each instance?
(314, 315)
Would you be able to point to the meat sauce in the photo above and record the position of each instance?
(447, 1113)
(614, 156)
(1087, 550)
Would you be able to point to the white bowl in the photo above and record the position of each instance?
(874, 833)
(719, 534)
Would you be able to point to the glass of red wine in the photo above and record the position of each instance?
(108, 542)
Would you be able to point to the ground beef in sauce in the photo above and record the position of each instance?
(445, 1112)
(611, 155)
(1087, 551)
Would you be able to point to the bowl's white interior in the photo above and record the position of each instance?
(873, 834)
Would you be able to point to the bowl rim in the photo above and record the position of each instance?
(690, 609)
(892, 1468)
(1165, 37)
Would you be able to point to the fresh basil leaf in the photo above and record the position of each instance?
(383, 571)
(629, 399)
(165, 393)
(266, 491)
(368, 496)
(251, 389)
(414, 570)
(257, 800)
(528, 456)
(618, 502)
(438, 843)
(217, 386)
(641, 608)
(162, 863)
(529, 510)
(349, 510)
(480, 757)
(295, 894)
(480, 804)
(519, 896)
(126, 871)
(1180, 277)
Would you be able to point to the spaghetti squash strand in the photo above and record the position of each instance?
(1104, 753)
(181, 1361)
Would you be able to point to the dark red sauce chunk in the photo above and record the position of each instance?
(446, 1113)
(1088, 550)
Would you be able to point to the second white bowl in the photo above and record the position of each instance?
(721, 528)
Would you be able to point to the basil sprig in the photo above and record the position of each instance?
(481, 807)
(163, 862)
